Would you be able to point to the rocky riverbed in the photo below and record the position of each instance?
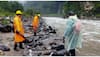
(90, 36)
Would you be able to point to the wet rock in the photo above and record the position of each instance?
(39, 54)
(40, 37)
(1, 39)
(4, 48)
(5, 28)
(2, 53)
(53, 43)
(44, 48)
(10, 39)
(47, 53)
(28, 40)
(58, 47)
(38, 44)
(53, 31)
(59, 53)
(50, 28)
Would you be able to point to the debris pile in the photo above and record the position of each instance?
(44, 43)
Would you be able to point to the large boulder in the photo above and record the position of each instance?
(5, 28)
(4, 48)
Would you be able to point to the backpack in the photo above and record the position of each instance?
(77, 26)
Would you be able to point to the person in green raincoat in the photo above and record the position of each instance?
(72, 35)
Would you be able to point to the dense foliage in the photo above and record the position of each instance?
(48, 7)
(9, 8)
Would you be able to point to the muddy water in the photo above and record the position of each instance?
(90, 34)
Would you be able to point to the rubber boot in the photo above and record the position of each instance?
(34, 33)
(21, 45)
(15, 47)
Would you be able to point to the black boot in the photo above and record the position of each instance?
(15, 47)
(21, 45)
(72, 51)
(34, 33)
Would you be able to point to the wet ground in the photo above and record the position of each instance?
(90, 36)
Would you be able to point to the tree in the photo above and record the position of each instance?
(10, 7)
(45, 7)
(71, 6)
(15, 6)
(96, 9)
(29, 12)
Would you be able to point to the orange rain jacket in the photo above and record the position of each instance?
(35, 23)
(18, 27)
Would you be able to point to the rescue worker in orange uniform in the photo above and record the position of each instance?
(18, 31)
(35, 23)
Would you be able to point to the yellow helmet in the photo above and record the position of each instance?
(19, 12)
